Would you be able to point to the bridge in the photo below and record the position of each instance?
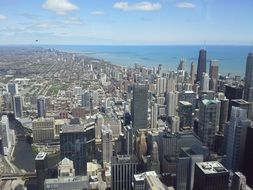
(13, 176)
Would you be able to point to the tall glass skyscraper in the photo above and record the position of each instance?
(41, 106)
(139, 107)
(201, 64)
(18, 106)
(248, 86)
(73, 147)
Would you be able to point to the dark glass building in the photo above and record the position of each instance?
(73, 146)
(201, 64)
(41, 169)
(248, 84)
(123, 168)
(139, 107)
(210, 176)
(41, 106)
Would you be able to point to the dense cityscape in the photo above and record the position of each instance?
(126, 95)
(75, 122)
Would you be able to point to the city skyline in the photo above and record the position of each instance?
(125, 22)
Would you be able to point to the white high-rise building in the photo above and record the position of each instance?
(171, 100)
(106, 144)
(204, 83)
(209, 118)
(154, 111)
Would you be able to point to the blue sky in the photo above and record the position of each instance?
(126, 21)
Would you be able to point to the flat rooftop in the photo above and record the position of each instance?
(211, 167)
(41, 156)
(185, 103)
(72, 128)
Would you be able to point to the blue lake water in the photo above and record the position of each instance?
(232, 58)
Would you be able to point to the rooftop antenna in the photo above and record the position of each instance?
(204, 44)
(251, 46)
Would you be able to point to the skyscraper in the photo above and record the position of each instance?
(12, 88)
(238, 182)
(210, 175)
(248, 86)
(139, 107)
(236, 133)
(192, 73)
(86, 99)
(41, 169)
(155, 162)
(106, 144)
(209, 117)
(128, 140)
(18, 106)
(123, 169)
(201, 64)
(154, 111)
(171, 101)
(73, 147)
(41, 106)
(204, 83)
(214, 74)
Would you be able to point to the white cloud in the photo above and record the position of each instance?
(97, 13)
(73, 20)
(60, 7)
(46, 25)
(141, 6)
(185, 5)
(2, 17)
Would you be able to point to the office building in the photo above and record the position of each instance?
(128, 140)
(224, 106)
(185, 113)
(7, 136)
(12, 88)
(171, 102)
(170, 148)
(86, 99)
(186, 161)
(233, 92)
(139, 107)
(73, 146)
(41, 108)
(248, 83)
(18, 106)
(67, 179)
(43, 129)
(123, 168)
(214, 74)
(192, 74)
(236, 133)
(248, 157)
(201, 64)
(154, 112)
(41, 169)
(106, 144)
(99, 124)
(188, 96)
(238, 182)
(240, 103)
(155, 161)
(204, 82)
(209, 118)
(210, 175)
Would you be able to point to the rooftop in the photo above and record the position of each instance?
(72, 128)
(185, 103)
(41, 156)
(211, 167)
(208, 102)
